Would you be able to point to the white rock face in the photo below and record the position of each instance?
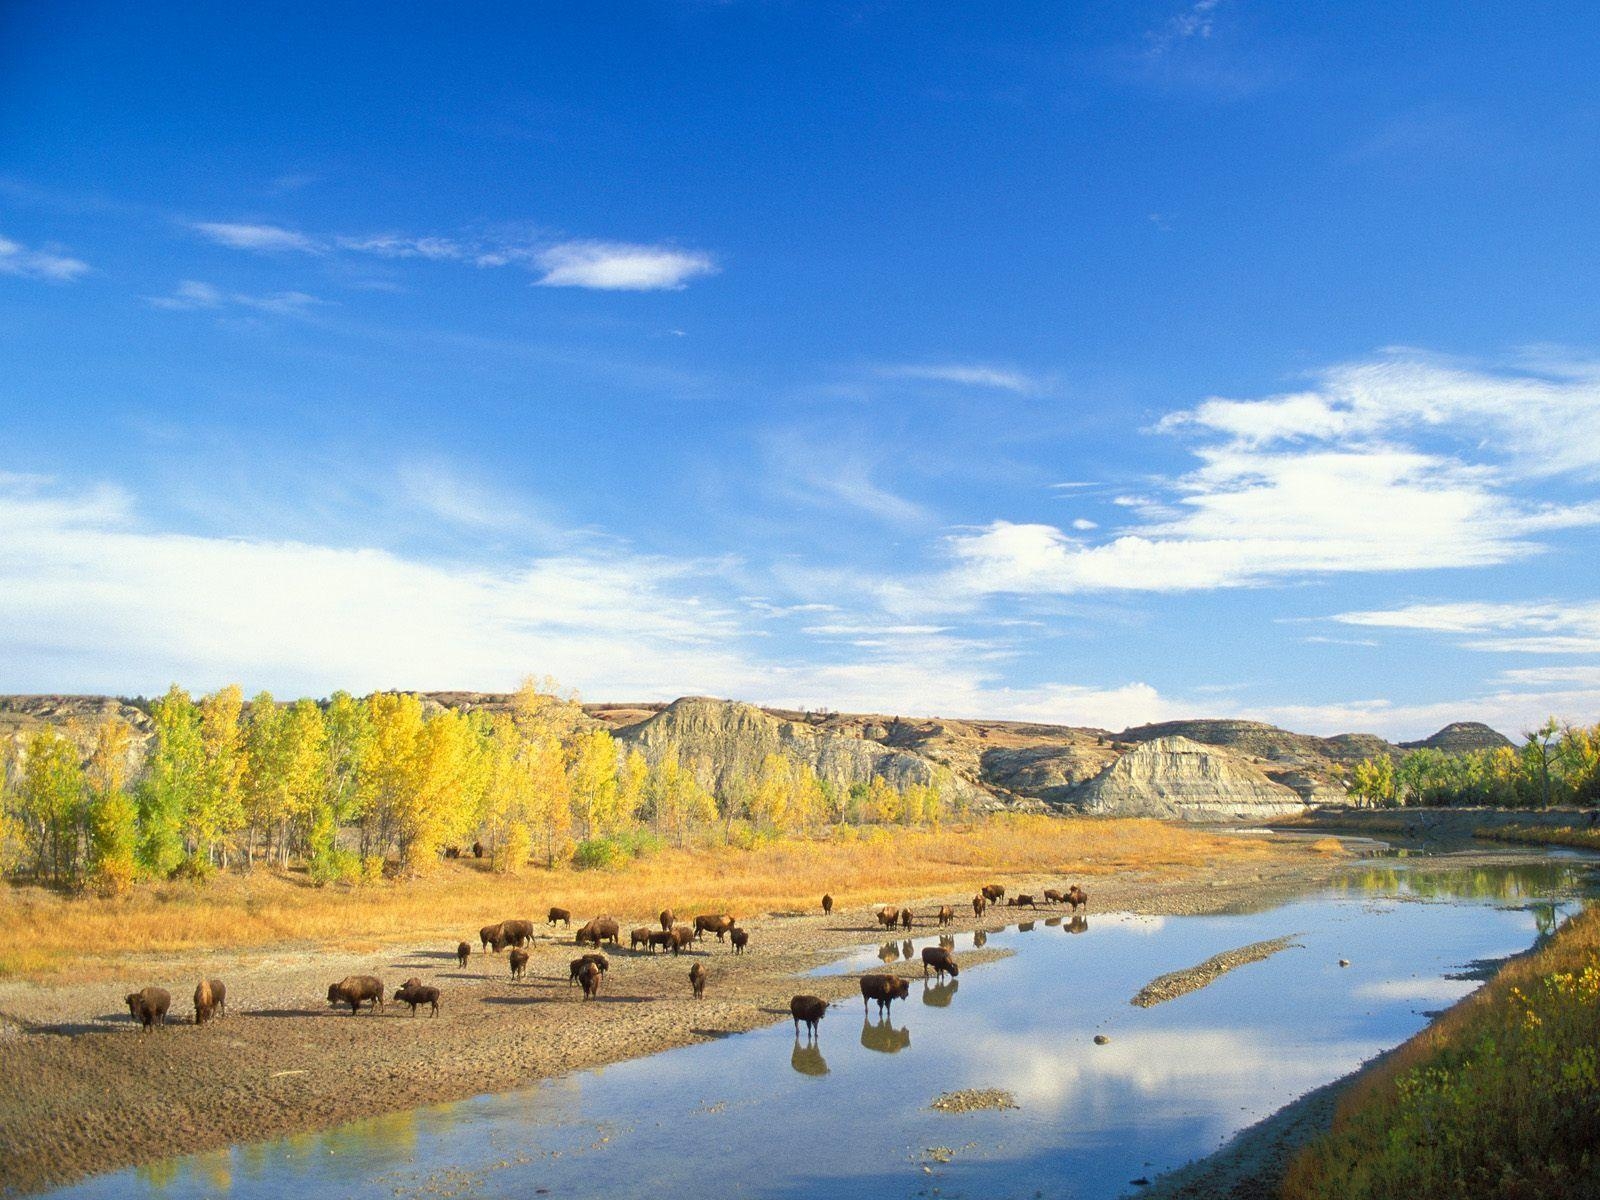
(1175, 778)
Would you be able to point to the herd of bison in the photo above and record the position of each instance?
(150, 1006)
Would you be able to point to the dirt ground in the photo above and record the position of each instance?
(86, 1092)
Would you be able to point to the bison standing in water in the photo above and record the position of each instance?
(827, 905)
(417, 994)
(210, 998)
(809, 1009)
(356, 990)
(884, 989)
(940, 960)
(149, 1007)
(463, 953)
(697, 980)
(740, 939)
(589, 977)
(519, 964)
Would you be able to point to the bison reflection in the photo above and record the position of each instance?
(884, 1037)
(889, 952)
(979, 939)
(940, 994)
(807, 1059)
(1025, 926)
(1078, 924)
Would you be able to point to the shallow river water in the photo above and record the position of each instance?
(764, 1115)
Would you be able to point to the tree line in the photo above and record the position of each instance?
(353, 787)
(1556, 764)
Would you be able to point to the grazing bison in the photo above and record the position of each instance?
(1023, 900)
(519, 964)
(598, 961)
(477, 849)
(810, 1009)
(940, 961)
(827, 905)
(888, 917)
(718, 924)
(210, 999)
(682, 936)
(356, 990)
(589, 977)
(740, 939)
(417, 994)
(1052, 896)
(516, 933)
(946, 915)
(905, 918)
(640, 937)
(1077, 897)
(660, 938)
(600, 929)
(560, 915)
(884, 989)
(463, 952)
(978, 905)
(149, 1006)
(697, 980)
(453, 852)
(993, 892)
(667, 920)
(489, 935)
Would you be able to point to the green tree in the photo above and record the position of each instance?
(51, 805)
(173, 784)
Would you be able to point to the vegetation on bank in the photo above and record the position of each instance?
(1498, 1098)
(354, 788)
(1555, 765)
(44, 931)
(1539, 835)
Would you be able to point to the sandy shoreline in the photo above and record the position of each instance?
(88, 1094)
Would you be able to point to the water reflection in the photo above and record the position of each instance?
(1052, 922)
(807, 1059)
(884, 1037)
(980, 939)
(947, 941)
(1434, 879)
(889, 952)
(940, 994)
(1078, 925)
(907, 950)
(1025, 926)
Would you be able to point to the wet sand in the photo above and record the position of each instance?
(87, 1093)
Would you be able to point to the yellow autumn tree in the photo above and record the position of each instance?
(593, 784)
(219, 811)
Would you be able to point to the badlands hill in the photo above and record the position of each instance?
(1200, 769)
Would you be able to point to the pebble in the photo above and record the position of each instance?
(1101, 1039)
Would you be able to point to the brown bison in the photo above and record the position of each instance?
(660, 939)
(905, 918)
(682, 937)
(453, 852)
(940, 961)
(1052, 896)
(697, 980)
(993, 892)
(516, 933)
(519, 963)
(978, 905)
(558, 916)
(667, 920)
(463, 953)
(740, 939)
(1022, 900)
(477, 849)
(640, 937)
(810, 1009)
(149, 1007)
(598, 961)
(600, 929)
(356, 990)
(946, 915)
(1077, 897)
(210, 999)
(888, 916)
(718, 924)
(417, 994)
(489, 935)
(589, 977)
(884, 989)
(827, 905)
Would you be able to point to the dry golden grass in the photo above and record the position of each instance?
(43, 933)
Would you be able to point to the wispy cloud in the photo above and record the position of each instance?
(620, 266)
(1516, 627)
(979, 375)
(264, 239)
(192, 295)
(1198, 20)
(393, 245)
(48, 265)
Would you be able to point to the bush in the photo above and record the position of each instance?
(607, 853)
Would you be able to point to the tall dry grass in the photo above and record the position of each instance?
(43, 933)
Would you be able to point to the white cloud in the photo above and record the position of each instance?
(437, 489)
(620, 266)
(17, 259)
(1083, 524)
(266, 239)
(1428, 991)
(968, 375)
(1518, 627)
(193, 295)
(393, 245)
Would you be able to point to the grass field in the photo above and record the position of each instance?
(43, 933)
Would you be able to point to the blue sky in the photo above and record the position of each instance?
(1095, 365)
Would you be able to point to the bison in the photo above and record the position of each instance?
(516, 933)
(463, 953)
(667, 920)
(417, 994)
(946, 915)
(589, 977)
(600, 929)
(682, 936)
(210, 999)
(888, 916)
(599, 961)
(489, 935)
(1023, 900)
(558, 915)
(1052, 896)
(718, 924)
(810, 1009)
(149, 1007)
(640, 937)
(660, 939)
(993, 892)
(697, 980)
(519, 963)
(740, 939)
(940, 961)
(356, 990)
(979, 903)
(827, 905)
(1077, 897)
(884, 989)
(477, 849)
(905, 918)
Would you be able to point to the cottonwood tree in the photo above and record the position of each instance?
(174, 784)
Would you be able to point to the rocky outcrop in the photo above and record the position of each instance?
(732, 740)
(77, 717)
(1175, 777)
(1461, 737)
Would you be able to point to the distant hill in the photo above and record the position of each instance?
(1462, 737)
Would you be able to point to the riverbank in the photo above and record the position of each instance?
(88, 1094)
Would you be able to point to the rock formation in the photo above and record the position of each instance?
(1461, 737)
(1177, 777)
